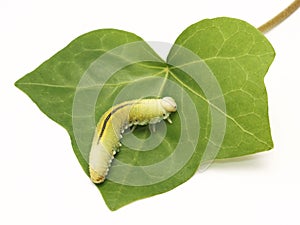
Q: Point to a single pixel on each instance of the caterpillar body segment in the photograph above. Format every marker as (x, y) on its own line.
(112, 124)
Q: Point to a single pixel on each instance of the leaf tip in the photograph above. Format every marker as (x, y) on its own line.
(18, 83)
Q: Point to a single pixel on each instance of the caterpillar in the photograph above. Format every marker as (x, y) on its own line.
(112, 124)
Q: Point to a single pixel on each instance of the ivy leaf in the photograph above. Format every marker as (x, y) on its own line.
(239, 57)
(215, 73)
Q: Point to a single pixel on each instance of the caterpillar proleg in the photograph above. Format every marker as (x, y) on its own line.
(112, 124)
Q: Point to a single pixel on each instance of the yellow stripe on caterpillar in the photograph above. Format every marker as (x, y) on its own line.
(113, 123)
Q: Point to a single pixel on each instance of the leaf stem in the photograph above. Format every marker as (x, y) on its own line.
(280, 17)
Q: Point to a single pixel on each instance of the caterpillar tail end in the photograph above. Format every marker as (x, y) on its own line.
(95, 177)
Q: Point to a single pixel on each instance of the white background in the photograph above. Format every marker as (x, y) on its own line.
(41, 180)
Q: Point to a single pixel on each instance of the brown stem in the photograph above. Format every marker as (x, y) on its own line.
(280, 17)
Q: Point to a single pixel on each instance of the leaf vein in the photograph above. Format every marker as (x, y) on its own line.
(217, 108)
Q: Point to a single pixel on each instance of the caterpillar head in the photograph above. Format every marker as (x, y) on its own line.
(169, 104)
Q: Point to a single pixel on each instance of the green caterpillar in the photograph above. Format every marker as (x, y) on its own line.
(112, 124)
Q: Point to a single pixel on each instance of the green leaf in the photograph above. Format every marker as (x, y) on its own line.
(215, 73)
(239, 56)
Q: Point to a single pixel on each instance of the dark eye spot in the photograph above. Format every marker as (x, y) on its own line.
(164, 114)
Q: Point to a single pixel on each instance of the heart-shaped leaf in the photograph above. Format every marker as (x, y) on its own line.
(214, 71)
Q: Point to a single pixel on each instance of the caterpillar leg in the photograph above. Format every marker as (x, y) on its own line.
(152, 128)
(131, 129)
(169, 120)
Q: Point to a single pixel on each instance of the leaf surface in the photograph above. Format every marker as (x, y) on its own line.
(239, 57)
(215, 73)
